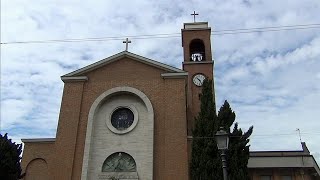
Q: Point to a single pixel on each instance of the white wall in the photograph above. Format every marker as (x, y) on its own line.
(138, 142)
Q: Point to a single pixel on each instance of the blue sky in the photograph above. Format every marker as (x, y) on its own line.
(271, 79)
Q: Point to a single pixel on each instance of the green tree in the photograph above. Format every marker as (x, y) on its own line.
(206, 159)
(238, 152)
(10, 152)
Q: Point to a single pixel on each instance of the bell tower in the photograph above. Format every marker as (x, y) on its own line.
(198, 62)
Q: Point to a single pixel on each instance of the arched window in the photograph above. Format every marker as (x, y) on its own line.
(119, 162)
(197, 50)
(37, 169)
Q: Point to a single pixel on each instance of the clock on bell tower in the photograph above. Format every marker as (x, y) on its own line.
(196, 43)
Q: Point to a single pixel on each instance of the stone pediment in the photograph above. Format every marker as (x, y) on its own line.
(118, 175)
(78, 74)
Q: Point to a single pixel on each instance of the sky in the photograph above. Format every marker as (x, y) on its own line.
(271, 78)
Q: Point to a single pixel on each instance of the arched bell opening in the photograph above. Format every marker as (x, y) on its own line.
(197, 50)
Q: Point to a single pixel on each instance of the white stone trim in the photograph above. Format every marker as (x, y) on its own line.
(196, 25)
(174, 75)
(74, 79)
(114, 108)
(38, 140)
(92, 111)
(120, 175)
(198, 62)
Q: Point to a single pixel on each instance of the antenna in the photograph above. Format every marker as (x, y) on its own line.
(299, 134)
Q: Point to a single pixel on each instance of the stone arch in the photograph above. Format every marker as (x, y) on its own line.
(107, 94)
(197, 50)
(37, 169)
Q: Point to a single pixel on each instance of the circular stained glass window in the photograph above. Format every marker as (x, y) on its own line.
(122, 118)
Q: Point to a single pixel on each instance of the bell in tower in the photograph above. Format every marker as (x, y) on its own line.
(196, 42)
(197, 50)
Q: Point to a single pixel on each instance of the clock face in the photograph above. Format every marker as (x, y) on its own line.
(122, 118)
(198, 79)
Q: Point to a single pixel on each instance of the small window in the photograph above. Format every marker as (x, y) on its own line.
(265, 177)
(286, 178)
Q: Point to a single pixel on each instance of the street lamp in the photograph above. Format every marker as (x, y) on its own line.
(222, 139)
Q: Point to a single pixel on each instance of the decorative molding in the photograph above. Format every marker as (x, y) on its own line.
(122, 105)
(196, 29)
(198, 62)
(74, 79)
(174, 75)
(38, 140)
(196, 26)
(119, 175)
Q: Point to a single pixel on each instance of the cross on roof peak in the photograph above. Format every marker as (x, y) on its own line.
(194, 16)
(127, 42)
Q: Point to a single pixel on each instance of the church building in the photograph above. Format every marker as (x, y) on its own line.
(129, 117)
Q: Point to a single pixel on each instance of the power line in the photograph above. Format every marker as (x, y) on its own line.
(271, 134)
(270, 27)
(263, 135)
(174, 35)
(266, 30)
(253, 136)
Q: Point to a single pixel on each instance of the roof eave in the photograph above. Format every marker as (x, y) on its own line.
(118, 56)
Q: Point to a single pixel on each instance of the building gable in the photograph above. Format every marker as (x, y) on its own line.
(124, 54)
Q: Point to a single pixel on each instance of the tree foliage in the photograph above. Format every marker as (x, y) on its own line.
(205, 162)
(238, 152)
(10, 152)
(206, 159)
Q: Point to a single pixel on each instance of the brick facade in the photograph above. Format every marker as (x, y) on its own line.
(167, 96)
(174, 100)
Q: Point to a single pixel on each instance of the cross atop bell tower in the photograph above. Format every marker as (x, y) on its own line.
(194, 16)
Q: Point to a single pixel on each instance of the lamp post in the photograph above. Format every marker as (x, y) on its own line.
(222, 139)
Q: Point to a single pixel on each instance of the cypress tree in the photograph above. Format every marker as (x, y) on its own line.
(205, 162)
(10, 152)
(238, 152)
(206, 158)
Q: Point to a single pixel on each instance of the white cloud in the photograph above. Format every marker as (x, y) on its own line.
(271, 79)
